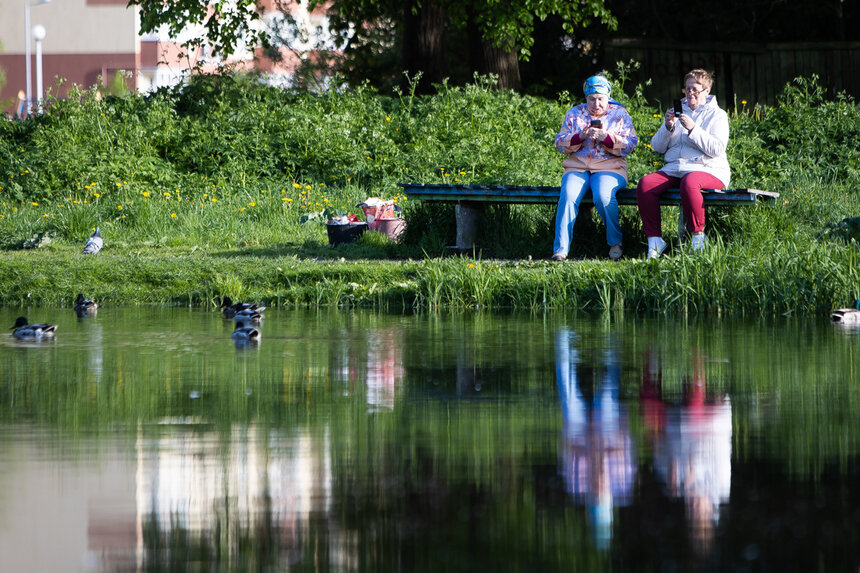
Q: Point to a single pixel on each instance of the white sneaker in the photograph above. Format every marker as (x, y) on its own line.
(616, 251)
(656, 246)
(698, 241)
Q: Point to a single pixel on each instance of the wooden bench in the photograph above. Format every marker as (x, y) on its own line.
(471, 199)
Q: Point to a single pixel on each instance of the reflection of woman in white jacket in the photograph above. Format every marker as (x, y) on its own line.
(694, 145)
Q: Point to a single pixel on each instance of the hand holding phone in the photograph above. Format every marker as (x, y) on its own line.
(596, 123)
(678, 109)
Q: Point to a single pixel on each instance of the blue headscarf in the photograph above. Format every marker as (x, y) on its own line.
(598, 85)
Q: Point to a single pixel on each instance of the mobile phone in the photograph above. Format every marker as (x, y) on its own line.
(596, 123)
(678, 110)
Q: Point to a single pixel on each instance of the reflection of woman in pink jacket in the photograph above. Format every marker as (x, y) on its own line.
(596, 137)
(598, 462)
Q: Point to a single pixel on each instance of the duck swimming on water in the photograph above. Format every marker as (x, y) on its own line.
(85, 306)
(25, 331)
(847, 315)
(232, 309)
(245, 333)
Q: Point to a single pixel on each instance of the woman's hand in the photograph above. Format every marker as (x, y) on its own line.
(595, 133)
(670, 119)
(687, 122)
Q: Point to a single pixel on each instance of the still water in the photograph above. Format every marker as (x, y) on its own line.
(144, 439)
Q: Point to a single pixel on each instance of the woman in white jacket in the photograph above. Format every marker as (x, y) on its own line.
(694, 147)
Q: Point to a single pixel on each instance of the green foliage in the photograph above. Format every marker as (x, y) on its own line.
(227, 164)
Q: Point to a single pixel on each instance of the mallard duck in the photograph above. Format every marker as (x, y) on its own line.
(94, 243)
(231, 309)
(245, 333)
(25, 331)
(249, 316)
(85, 306)
(847, 315)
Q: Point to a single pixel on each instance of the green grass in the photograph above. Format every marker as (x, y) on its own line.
(218, 187)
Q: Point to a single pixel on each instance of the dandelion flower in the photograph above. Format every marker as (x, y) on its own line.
(97, 195)
(35, 204)
(173, 215)
(252, 204)
(119, 207)
(145, 193)
(297, 186)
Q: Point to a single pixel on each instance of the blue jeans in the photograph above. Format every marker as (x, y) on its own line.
(574, 185)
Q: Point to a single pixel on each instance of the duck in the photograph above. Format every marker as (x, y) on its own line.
(245, 333)
(847, 315)
(94, 243)
(249, 316)
(231, 309)
(23, 330)
(84, 306)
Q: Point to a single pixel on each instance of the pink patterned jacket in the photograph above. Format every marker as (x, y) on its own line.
(607, 155)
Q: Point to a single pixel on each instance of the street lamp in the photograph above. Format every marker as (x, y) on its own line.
(27, 7)
(39, 33)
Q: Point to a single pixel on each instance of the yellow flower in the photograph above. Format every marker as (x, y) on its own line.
(262, 190)
(35, 204)
(214, 200)
(744, 102)
(308, 187)
(97, 195)
(119, 207)
(173, 215)
(387, 118)
(166, 194)
(252, 204)
(297, 186)
(283, 191)
(146, 193)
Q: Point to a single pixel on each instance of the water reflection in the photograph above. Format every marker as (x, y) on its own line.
(141, 440)
(598, 461)
(384, 367)
(692, 443)
(202, 490)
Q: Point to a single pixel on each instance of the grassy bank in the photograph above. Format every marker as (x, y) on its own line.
(723, 280)
(223, 188)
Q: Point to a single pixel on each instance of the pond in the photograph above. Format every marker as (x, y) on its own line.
(145, 439)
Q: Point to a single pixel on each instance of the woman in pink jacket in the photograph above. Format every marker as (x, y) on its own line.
(596, 136)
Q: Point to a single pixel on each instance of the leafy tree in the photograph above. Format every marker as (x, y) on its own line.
(389, 35)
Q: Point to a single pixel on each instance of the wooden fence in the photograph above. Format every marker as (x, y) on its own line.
(751, 73)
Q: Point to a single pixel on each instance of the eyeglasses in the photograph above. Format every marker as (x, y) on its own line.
(692, 90)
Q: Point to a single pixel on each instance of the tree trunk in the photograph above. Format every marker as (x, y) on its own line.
(484, 58)
(503, 63)
(424, 44)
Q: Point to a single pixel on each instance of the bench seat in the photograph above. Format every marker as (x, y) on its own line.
(471, 198)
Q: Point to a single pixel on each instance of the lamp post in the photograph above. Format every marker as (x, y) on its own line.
(27, 7)
(39, 33)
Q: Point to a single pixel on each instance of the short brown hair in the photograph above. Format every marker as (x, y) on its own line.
(702, 77)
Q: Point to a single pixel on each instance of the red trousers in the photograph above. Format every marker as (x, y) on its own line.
(650, 188)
